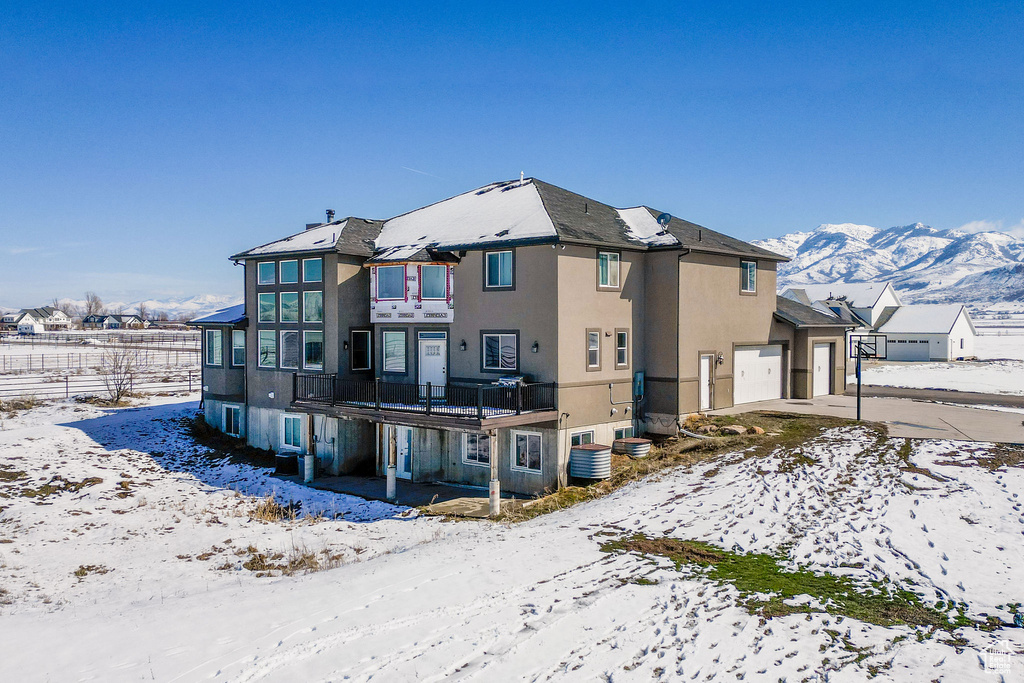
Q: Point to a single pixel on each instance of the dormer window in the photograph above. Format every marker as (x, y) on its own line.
(433, 282)
(390, 283)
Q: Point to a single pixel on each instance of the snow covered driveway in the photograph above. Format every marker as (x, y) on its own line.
(425, 599)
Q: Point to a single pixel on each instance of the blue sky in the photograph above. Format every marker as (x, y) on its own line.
(143, 143)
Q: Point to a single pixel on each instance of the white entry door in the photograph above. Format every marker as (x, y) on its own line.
(757, 373)
(707, 363)
(433, 357)
(404, 437)
(822, 370)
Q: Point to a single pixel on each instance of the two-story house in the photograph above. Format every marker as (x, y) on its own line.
(483, 336)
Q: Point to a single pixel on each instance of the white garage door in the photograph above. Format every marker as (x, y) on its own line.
(757, 373)
(822, 370)
(907, 349)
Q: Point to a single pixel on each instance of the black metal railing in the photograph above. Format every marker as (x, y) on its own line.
(450, 400)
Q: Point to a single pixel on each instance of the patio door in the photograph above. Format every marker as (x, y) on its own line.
(433, 362)
(404, 437)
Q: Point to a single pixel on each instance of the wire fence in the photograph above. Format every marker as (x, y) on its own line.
(45, 362)
(189, 340)
(66, 386)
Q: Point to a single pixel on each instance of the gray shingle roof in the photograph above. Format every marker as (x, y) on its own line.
(350, 235)
(798, 315)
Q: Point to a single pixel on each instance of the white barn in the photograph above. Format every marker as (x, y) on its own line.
(929, 332)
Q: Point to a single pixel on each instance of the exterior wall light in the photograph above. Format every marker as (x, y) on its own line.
(462, 345)
(344, 345)
(536, 347)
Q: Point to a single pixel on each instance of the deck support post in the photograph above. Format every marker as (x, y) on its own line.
(392, 492)
(494, 490)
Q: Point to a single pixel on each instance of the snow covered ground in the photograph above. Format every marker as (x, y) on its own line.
(998, 370)
(142, 575)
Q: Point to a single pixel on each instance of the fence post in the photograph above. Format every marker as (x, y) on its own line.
(480, 401)
(67, 386)
(190, 381)
(429, 392)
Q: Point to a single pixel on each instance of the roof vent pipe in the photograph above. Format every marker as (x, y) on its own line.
(330, 215)
(521, 177)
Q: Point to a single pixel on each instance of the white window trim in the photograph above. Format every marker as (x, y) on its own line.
(621, 429)
(585, 431)
(618, 348)
(597, 365)
(302, 428)
(280, 350)
(487, 269)
(618, 270)
(259, 353)
(743, 285)
(512, 451)
(260, 282)
(444, 296)
(322, 350)
(303, 269)
(465, 449)
(499, 335)
(224, 418)
(304, 318)
(233, 363)
(384, 351)
(220, 359)
(280, 267)
(352, 348)
(280, 308)
(405, 286)
(259, 308)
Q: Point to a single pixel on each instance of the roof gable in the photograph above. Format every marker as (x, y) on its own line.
(924, 319)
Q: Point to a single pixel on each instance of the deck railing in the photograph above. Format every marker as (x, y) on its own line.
(472, 401)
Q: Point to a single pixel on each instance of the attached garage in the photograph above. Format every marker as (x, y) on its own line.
(757, 373)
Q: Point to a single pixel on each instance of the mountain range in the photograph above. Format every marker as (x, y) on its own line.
(924, 264)
(190, 307)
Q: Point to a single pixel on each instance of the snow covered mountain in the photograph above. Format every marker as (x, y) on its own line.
(924, 264)
(192, 307)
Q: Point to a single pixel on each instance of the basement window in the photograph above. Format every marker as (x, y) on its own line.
(527, 450)
(476, 449)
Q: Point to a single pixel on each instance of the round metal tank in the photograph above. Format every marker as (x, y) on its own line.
(590, 461)
(633, 447)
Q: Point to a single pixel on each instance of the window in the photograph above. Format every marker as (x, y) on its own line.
(268, 308)
(289, 272)
(748, 276)
(621, 348)
(608, 269)
(498, 269)
(500, 352)
(476, 449)
(232, 420)
(289, 307)
(313, 350)
(361, 357)
(624, 433)
(593, 349)
(434, 282)
(268, 349)
(290, 349)
(238, 347)
(394, 351)
(312, 307)
(526, 451)
(265, 273)
(312, 270)
(580, 438)
(390, 282)
(214, 351)
(292, 432)
(961, 343)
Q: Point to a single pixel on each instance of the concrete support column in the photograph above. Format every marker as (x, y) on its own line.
(494, 490)
(392, 492)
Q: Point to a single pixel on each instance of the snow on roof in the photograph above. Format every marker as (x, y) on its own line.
(225, 316)
(320, 238)
(923, 319)
(498, 212)
(642, 226)
(857, 294)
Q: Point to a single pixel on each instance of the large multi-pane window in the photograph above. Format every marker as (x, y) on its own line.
(214, 350)
(394, 351)
(434, 282)
(312, 307)
(289, 272)
(361, 357)
(238, 347)
(391, 282)
(313, 270)
(266, 274)
(268, 349)
(268, 308)
(498, 269)
(476, 449)
(289, 307)
(748, 276)
(526, 451)
(290, 349)
(500, 352)
(313, 350)
(292, 432)
(608, 269)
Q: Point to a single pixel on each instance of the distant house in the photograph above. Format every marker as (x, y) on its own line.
(28, 324)
(47, 318)
(113, 322)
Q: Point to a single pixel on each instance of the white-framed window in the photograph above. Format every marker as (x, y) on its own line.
(500, 351)
(233, 420)
(498, 269)
(394, 351)
(238, 348)
(433, 282)
(266, 273)
(268, 349)
(748, 276)
(361, 354)
(624, 433)
(593, 349)
(289, 272)
(621, 348)
(608, 269)
(313, 270)
(290, 349)
(580, 438)
(268, 308)
(312, 307)
(289, 307)
(390, 283)
(527, 450)
(476, 449)
(313, 350)
(214, 347)
(291, 431)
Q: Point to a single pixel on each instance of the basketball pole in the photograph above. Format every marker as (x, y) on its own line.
(860, 354)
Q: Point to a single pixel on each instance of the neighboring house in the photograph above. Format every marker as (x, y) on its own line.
(28, 324)
(113, 322)
(490, 332)
(929, 332)
(869, 301)
(47, 317)
(9, 322)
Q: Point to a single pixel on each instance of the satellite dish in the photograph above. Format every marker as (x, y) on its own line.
(663, 219)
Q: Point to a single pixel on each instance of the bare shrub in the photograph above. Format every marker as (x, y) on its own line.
(269, 510)
(118, 370)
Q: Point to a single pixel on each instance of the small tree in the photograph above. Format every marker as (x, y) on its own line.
(93, 304)
(65, 306)
(118, 370)
(143, 312)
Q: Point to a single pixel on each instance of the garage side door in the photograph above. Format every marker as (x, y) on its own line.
(822, 370)
(757, 373)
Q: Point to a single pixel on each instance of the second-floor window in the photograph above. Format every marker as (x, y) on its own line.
(268, 308)
(498, 269)
(266, 273)
(434, 282)
(748, 276)
(290, 349)
(289, 307)
(312, 307)
(238, 347)
(313, 350)
(500, 352)
(214, 352)
(394, 351)
(268, 349)
(593, 349)
(361, 357)
(608, 269)
(390, 282)
(621, 349)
